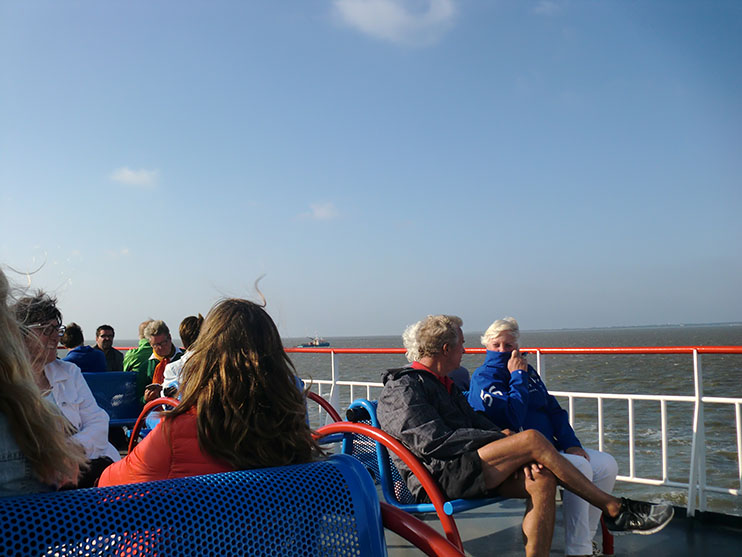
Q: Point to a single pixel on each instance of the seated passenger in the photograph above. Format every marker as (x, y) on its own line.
(471, 457)
(188, 330)
(36, 452)
(512, 395)
(104, 342)
(137, 359)
(63, 383)
(239, 407)
(84, 357)
(163, 352)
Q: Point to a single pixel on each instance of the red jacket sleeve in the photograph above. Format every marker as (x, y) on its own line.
(150, 460)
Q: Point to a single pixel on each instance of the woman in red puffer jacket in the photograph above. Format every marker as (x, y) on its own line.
(239, 408)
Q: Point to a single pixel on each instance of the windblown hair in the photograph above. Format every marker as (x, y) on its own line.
(507, 324)
(155, 328)
(39, 429)
(73, 336)
(189, 329)
(104, 328)
(427, 336)
(242, 386)
(39, 308)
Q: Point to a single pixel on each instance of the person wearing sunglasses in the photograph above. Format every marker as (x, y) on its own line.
(63, 383)
(36, 453)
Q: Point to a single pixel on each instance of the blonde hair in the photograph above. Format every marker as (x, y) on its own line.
(38, 427)
(505, 325)
(427, 336)
(242, 386)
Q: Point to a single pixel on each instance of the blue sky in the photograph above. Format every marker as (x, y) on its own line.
(571, 163)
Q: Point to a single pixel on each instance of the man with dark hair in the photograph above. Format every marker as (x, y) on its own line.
(81, 355)
(470, 457)
(104, 342)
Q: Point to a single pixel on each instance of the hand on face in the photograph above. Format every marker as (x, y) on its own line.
(517, 361)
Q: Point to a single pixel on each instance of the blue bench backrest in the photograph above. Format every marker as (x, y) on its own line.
(323, 508)
(116, 393)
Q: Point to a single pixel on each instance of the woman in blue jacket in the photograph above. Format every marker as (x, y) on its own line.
(512, 395)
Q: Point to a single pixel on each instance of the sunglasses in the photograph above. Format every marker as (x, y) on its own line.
(49, 330)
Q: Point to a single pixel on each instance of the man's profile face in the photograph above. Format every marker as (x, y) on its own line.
(161, 344)
(104, 339)
(455, 353)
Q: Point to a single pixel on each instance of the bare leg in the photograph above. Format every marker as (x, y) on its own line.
(538, 522)
(503, 457)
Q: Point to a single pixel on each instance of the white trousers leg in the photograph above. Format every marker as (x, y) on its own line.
(580, 518)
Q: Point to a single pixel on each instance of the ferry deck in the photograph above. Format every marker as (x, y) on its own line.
(495, 530)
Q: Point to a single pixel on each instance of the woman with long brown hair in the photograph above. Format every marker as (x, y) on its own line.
(240, 407)
(36, 452)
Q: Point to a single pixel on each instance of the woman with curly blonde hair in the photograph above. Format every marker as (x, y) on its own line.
(240, 406)
(36, 452)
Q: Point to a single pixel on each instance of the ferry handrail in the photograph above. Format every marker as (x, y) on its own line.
(541, 349)
(696, 486)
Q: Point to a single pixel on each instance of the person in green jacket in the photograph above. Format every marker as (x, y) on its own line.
(137, 359)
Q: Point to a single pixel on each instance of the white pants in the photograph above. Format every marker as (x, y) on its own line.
(580, 518)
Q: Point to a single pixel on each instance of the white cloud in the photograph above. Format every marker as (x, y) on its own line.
(322, 211)
(546, 7)
(412, 22)
(117, 253)
(142, 177)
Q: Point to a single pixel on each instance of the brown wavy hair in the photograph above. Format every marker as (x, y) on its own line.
(242, 386)
(38, 427)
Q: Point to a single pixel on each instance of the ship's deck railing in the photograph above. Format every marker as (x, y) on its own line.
(343, 391)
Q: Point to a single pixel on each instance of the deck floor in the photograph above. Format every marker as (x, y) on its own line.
(495, 530)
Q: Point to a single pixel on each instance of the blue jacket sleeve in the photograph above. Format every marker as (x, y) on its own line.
(564, 435)
(503, 397)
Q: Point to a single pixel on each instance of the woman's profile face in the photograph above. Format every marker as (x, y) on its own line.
(504, 342)
(42, 341)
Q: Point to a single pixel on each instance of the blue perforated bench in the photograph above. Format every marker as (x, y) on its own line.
(322, 508)
(116, 393)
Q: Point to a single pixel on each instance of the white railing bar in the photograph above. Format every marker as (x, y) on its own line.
(669, 398)
(691, 508)
(571, 411)
(630, 479)
(600, 424)
(631, 437)
(663, 419)
(696, 485)
(540, 369)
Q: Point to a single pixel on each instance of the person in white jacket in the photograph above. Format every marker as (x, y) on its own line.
(63, 383)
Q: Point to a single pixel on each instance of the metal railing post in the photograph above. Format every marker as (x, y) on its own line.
(540, 366)
(334, 395)
(663, 420)
(600, 424)
(631, 438)
(697, 475)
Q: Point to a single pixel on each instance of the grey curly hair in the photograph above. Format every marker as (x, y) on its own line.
(427, 336)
